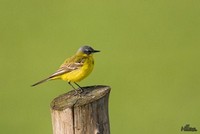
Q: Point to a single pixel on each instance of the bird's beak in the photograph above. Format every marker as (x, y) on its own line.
(95, 51)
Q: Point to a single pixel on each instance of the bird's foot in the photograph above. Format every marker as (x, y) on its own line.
(78, 91)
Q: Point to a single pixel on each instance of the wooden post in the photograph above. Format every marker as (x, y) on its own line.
(85, 113)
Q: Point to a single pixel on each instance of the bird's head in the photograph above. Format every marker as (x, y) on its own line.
(87, 50)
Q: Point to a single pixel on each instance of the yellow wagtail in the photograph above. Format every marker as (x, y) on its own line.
(75, 68)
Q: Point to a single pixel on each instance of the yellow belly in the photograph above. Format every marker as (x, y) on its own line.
(79, 74)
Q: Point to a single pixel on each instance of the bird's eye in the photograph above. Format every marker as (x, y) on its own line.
(87, 50)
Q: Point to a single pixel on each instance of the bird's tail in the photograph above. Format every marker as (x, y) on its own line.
(39, 82)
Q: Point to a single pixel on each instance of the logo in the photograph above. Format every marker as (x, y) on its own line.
(188, 128)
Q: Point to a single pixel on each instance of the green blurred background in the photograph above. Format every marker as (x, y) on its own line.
(150, 54)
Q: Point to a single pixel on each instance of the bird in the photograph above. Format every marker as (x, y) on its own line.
(75, 68)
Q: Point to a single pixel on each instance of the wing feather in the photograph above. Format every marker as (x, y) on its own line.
(69, 65)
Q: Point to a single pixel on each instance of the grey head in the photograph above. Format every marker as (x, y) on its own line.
(87, 50)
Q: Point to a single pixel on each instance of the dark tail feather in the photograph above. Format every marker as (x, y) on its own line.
(40, 82)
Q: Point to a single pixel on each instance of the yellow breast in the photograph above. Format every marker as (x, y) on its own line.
(79, 74)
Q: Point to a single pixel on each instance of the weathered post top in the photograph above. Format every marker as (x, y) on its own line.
(90, 94)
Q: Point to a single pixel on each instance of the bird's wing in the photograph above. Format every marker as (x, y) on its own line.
(69, 65)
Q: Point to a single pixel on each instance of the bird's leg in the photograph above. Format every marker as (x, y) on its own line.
(73, 88)
(71, 85)
(80, 88)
